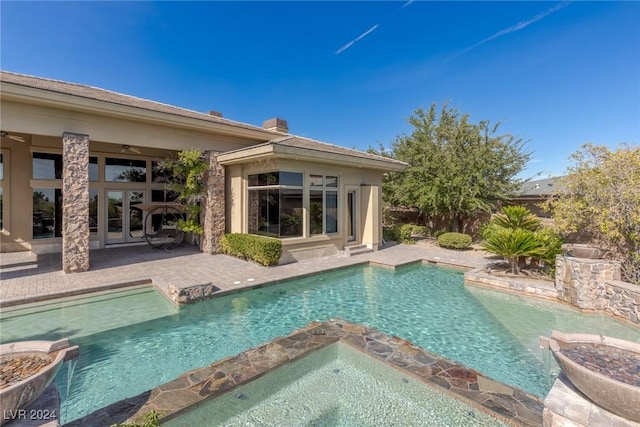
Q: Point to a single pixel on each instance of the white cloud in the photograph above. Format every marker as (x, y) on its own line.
(519, 26)
(357, 39)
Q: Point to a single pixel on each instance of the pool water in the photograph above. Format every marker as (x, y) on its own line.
(139, 340)
(335, 386)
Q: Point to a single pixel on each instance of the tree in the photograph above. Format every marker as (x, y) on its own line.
(600, 196)
(514, 244)
(516, 217)
(456, 168)
(517, 234)
(186, 176)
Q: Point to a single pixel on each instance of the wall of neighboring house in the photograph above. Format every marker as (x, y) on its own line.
(367, 184)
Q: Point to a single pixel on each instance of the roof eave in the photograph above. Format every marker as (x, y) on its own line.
(299, 153)
(30, 95)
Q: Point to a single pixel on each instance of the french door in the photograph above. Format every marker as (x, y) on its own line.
(125, 222)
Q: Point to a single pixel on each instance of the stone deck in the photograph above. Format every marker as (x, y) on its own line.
(506, 403)
(184, 274)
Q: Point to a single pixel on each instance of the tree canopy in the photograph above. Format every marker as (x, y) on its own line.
(600, 196)
(456, 168)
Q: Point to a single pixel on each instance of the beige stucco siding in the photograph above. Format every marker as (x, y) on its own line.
(366, 182)
(44, 120)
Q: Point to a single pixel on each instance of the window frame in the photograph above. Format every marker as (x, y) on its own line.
(278, 187)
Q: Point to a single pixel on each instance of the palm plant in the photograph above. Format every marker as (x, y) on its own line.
(513, 244)
(516, 217)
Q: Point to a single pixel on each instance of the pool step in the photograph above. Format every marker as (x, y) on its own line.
(355, 250)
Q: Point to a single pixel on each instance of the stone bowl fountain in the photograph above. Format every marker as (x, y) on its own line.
(605, 369)
(27, 368)
(578, 250)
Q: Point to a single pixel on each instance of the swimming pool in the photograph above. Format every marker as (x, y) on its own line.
(138, 340)
(303, 393)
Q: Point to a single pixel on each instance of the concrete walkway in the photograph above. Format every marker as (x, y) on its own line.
(26, 277)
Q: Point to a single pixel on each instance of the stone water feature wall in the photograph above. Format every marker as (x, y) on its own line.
(594, 284)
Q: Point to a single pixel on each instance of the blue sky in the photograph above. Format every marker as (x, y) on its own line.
(558, 74)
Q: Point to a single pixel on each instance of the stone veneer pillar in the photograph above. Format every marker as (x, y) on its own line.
(75, 202)
(581, 281)
(214, 206)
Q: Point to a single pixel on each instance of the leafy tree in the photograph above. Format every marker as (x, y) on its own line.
(600, 196)
(186, 176)
(456, 168)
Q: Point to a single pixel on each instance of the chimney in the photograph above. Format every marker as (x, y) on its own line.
(276, 124)
(215, 113)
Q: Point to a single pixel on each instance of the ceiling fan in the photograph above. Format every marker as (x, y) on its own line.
(127, 148)
(4, 134)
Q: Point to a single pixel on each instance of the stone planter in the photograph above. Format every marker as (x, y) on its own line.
(583, 251)
(615, 396)
(22, 393)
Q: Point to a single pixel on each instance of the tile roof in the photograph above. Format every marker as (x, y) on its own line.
(540, 187)
(97, 94)
(93, 93)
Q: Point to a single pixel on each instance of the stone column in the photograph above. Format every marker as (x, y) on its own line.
(214, 206)
(581, 281)
(75, 203)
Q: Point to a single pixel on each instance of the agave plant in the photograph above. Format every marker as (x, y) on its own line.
(516, 217)
(512, 244)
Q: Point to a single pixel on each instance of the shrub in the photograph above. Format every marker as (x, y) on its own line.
(486, 230)
(454, 240)
(262, 250)
(513, 244)
(421, 230)
(390, 233)
(516, 217)
(406, 230)
(552, 242)
(439, 233)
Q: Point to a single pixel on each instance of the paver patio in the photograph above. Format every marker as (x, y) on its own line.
(28, 277)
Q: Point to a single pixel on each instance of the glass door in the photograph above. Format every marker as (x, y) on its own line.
(125, 222)
(352, 224)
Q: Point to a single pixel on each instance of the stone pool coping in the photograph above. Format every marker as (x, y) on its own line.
(509, 404)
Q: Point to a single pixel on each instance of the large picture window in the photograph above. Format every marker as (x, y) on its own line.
(275, 204)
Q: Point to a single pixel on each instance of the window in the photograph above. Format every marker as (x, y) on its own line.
(93, 169)
(47, 166)
(323, 204)
(125, 170)
(47, 213)
(275, 204)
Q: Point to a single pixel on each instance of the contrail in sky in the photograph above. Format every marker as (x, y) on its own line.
(357, 39)
(407, 3)
(518, 26)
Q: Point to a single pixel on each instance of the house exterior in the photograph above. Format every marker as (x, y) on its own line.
(76, 160)
(533, 193)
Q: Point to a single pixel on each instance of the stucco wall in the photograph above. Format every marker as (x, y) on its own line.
(366, 182)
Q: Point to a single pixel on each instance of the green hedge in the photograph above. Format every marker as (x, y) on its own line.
(454, 240)
(390, 233)
(262, 250)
